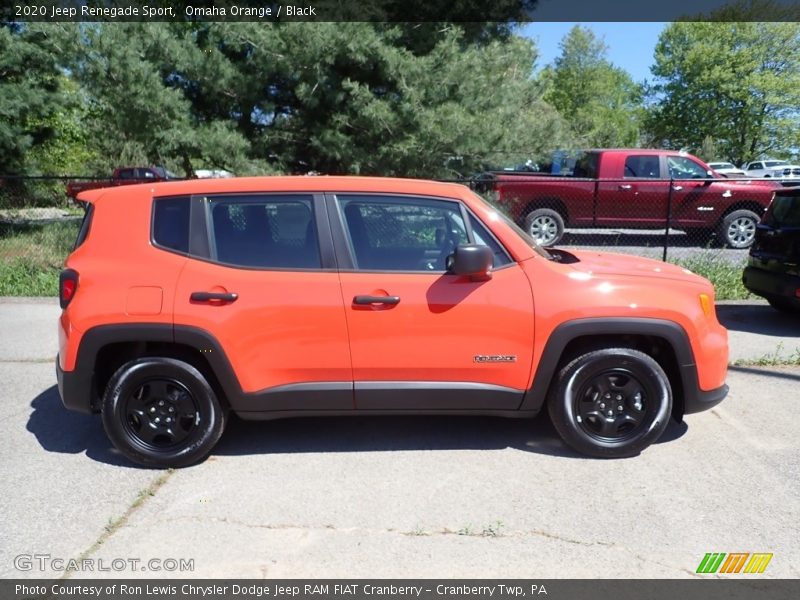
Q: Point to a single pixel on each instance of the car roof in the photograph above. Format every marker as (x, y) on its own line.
(299, 183)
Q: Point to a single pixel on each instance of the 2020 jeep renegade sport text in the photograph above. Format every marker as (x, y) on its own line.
(283, 297)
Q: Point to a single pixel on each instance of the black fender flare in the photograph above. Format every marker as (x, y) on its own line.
(565, 333)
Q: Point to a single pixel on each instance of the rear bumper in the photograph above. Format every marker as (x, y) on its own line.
(772, 284)
(76, 390)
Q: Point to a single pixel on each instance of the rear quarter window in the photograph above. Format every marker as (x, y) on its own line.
(171, 223)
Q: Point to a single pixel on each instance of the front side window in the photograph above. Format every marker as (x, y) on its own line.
(388, 234)
(642, 166)
(681, 167)
(265, 231)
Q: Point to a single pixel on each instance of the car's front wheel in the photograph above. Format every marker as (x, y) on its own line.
(611, 403)
(161, 412)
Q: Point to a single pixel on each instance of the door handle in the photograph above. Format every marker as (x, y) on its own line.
(392, 300)
(624, 188)
(210, 296)
(677, 188)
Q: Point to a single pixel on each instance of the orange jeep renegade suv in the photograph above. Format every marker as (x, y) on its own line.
(284, 297)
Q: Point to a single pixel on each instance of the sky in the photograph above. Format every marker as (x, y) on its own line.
(630, 45)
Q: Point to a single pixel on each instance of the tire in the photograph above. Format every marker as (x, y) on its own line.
(738, 229)
(578, 402)
(161, 412)
(545, 225)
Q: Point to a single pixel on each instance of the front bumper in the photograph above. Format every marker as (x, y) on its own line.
(77, 390)
(697, 400)
(772, 284)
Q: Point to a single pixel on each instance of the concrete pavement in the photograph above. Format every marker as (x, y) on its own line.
(407, 496)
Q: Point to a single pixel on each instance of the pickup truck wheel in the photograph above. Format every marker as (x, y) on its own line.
(738, 229)
(162, 412)
(545, 225)
(611, 403)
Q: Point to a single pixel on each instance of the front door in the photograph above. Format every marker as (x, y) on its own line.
(421, 338)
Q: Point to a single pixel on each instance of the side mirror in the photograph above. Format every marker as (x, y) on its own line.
(471, 260)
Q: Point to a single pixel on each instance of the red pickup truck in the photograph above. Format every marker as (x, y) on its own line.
(633, 189)
(122, 176)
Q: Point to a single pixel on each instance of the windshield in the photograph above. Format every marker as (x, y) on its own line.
(721, 166)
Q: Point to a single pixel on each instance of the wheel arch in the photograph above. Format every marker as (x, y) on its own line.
(105, 348)
(747, 204)
(551, 202)
(665, 341)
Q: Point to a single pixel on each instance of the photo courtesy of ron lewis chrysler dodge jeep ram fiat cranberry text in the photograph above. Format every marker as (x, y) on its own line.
(284, 297)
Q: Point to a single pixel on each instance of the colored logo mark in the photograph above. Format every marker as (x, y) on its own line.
(734, 562)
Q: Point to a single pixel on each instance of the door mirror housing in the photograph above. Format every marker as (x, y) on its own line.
(471, 260)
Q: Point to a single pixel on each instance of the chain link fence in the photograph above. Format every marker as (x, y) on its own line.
(668, 219)
(706, 225)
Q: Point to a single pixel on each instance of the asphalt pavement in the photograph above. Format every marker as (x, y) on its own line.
(404, 496)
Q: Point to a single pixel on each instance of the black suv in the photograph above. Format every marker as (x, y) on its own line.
(773, 268)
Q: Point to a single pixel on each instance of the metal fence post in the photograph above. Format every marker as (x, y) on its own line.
(668, 220)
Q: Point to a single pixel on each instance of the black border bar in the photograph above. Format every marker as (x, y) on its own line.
(397, 11)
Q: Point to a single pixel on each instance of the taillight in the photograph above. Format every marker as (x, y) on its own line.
(67, 286)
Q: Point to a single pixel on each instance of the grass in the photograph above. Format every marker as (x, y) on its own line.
(31, 257)
(725, 275)
(776, 358)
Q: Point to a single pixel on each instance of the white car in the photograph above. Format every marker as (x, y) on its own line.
(727, 169)
(765, 168)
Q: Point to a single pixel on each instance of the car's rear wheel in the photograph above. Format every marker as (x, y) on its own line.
(545, 225)
(738, 229)
(611, 403)
(162, 412)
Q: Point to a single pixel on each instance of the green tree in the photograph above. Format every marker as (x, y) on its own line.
(736, 82)
(601, 102)
(29, 93)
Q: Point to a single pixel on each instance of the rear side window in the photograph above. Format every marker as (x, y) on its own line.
(642, 166)
(265, 231)
(171, 223)
(85, 225)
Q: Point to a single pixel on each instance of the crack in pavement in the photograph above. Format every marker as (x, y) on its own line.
(115, 524)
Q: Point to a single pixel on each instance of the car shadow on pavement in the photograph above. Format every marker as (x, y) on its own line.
(400, 433)
(758, 318)
(63, 431)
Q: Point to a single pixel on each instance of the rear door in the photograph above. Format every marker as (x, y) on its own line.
(421, 338)
(269, 293)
